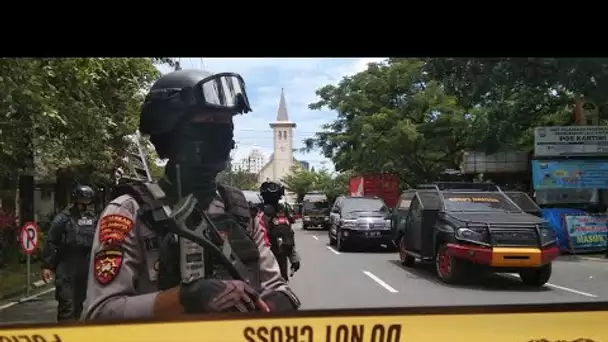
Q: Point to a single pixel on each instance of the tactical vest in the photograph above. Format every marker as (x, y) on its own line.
(281, 235)
(80, 231)
(233, 226)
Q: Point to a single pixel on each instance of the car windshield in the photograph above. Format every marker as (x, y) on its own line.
(364, 204)
(315, 206)
(478, 202)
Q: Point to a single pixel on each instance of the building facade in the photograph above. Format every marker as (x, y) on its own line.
(253, 163)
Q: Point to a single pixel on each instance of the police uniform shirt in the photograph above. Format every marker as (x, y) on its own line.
(122, 282)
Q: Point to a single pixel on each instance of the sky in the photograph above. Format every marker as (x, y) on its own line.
(264, 78)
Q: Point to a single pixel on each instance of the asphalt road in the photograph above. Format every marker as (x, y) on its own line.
(330, 280)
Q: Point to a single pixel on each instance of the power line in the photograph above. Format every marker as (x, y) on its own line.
(271, 131)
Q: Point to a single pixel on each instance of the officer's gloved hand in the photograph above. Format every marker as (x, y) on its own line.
(295, 266)
(212, 295)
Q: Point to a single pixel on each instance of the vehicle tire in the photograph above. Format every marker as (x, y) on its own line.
(406, 259)
(304, 226)
(536, 276)
(341, 244)
(450, 270)
(332, 241)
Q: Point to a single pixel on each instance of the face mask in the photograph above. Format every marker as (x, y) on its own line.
(271, 198)
(204, 150)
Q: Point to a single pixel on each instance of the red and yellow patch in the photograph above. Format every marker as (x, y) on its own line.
(113, 229)
(107, 265)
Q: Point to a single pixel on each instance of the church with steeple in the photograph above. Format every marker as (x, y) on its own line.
(281, 161)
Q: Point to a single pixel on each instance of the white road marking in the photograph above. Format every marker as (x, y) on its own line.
(593, 259)
(559, 287)
(380, 282)
(8, 305)
(332, 250)
(315, 237)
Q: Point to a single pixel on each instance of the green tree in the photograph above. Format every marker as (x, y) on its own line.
(243, 180)
(392, 118)
(238, 178)
(300, 181)
(514, 95)
(72, 114)
(332, 185)
(78, 110)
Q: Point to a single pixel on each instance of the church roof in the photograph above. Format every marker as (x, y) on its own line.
(282, 116)
(282, 111)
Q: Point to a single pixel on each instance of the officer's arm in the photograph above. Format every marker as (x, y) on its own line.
(289, 215)
(54, 241)
(275, 290)
(116, 269)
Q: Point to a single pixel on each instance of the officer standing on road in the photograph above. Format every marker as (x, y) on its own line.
(67, 250)
(281, 236)
(137, 268)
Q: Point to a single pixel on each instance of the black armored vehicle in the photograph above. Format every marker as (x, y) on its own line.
(476, 227)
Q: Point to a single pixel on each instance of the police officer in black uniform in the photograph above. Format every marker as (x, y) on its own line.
(277, 218)
(143, 269)
(67, 251)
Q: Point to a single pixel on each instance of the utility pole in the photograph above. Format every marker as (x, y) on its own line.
(249, 165)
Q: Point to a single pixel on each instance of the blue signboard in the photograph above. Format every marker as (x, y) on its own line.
(570, 174)
(587, 233)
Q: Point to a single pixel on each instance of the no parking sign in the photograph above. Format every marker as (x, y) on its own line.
(29, 236)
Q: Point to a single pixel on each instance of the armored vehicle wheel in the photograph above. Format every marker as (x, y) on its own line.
(450, 270)
(536, 276)
(332, 241)
(406, 259)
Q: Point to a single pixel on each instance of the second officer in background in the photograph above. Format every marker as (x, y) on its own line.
(67, 251)
(277, 219)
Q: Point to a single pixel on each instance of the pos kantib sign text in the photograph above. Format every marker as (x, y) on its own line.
(567, 141)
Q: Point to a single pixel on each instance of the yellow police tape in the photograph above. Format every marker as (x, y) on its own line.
(514, 327)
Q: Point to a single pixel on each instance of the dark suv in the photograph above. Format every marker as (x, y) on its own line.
(359, 220)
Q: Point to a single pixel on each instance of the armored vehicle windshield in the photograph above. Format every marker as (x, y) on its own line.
(478, 202)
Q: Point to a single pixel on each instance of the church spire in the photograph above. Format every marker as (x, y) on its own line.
(282, 112)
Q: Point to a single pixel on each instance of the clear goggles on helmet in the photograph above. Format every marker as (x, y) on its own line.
(223, 91)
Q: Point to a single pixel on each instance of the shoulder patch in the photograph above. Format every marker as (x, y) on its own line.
(113, 229)
(107, 265)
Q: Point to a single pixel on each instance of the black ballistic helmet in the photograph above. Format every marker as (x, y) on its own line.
(82, 194)
(269, 187)
(176, 96)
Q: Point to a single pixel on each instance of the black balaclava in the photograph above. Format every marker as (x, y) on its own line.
(202, 152)
(271, 197)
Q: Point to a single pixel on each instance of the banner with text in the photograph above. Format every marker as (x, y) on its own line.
(570, 174)
(587, 233)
